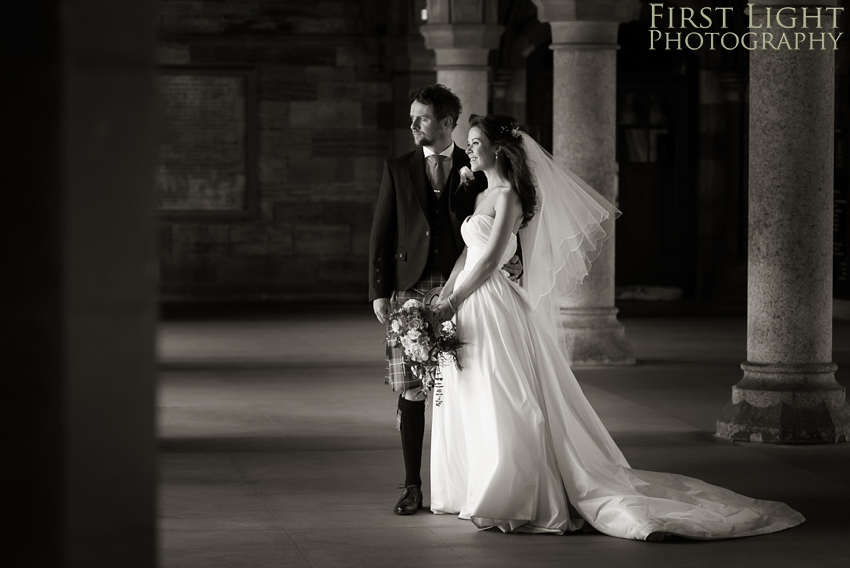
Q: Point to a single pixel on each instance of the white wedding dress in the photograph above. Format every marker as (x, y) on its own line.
(514, 439)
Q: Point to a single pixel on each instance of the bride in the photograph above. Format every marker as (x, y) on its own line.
(515, 443)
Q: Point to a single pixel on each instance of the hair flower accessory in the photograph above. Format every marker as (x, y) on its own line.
(466, 175)
(513, 130)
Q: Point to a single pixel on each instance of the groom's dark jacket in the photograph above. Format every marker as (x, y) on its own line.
(414, 231)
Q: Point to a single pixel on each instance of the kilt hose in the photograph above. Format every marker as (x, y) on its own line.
(399, 376)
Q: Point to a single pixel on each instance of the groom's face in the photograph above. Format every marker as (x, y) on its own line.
(426, 129)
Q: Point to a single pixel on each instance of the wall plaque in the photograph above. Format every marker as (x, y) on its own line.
(207, 160)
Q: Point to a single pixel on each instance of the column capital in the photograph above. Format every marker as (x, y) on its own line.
(460, 46)
(463, 11)
(587, 10)
(591, 24)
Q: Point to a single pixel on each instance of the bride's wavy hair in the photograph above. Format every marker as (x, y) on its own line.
(503, 132)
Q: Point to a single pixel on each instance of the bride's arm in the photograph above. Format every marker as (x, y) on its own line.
(449, 286)
(508, 210)
(442, 307)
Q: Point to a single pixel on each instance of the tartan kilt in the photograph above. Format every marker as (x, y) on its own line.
(399, 376)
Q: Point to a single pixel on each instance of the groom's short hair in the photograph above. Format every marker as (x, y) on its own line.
(442, 100)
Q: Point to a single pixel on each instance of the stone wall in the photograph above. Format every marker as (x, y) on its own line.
(327, 120)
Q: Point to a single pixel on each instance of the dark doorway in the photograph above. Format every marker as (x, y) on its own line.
(657, 109)
(539, 87)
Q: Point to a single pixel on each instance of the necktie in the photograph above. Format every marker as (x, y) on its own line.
(437, 171)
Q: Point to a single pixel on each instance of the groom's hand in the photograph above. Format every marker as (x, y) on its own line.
(514, 268)
(382, 309)
(444, 310)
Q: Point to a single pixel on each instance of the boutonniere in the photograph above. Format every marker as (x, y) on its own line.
(466, 175)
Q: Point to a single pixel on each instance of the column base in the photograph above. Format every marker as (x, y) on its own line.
(594, 336)
(786, 404)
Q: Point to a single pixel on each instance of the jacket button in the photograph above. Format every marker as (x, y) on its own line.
(378, 280)
(427, 233)
(380, 259)
(436, 251)
(377, 270)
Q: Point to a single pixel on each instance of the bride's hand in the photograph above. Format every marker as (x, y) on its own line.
(443, 309)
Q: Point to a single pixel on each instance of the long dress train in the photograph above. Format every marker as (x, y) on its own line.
(514, 439)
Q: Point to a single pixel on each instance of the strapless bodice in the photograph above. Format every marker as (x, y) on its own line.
(476, 234)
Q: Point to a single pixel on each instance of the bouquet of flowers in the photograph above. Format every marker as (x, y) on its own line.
(428, 342)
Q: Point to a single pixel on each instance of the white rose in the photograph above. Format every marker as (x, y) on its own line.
(396, 326)
(411, 303)
(413, 335)
(415, 323)
(448, 327)
(466, 175)
(421, 353)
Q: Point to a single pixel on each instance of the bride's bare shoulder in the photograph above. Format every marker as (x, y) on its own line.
(507, 195)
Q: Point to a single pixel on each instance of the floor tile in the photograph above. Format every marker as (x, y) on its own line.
(399, 538)
(226, 549)
(222, 519)
(386, 557)
(197, 467)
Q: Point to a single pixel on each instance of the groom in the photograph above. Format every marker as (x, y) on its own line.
(414, 245)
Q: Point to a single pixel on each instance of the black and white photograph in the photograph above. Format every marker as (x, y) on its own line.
(427, 283)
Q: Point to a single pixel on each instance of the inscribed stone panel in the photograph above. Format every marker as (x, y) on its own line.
(202, 149)
(207, 145)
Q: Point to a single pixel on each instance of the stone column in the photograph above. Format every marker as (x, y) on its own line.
(79, 371)
(584, 38)
(462, 33)
(788, 393)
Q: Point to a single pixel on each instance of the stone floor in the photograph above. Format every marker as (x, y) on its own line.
(278, 449)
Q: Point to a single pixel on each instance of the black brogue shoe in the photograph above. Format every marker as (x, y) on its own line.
(410, 502)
